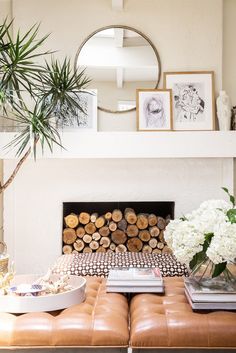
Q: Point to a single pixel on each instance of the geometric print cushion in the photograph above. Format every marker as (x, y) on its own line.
(99, 264)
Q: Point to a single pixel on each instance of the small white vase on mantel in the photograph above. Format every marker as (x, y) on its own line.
(224, 112)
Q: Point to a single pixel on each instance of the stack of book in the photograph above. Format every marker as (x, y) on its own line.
(203, 298)
(135, 280)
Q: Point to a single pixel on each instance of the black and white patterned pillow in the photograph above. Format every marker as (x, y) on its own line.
(99, 264)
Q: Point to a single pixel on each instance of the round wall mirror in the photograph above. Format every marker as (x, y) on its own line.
(119, 59)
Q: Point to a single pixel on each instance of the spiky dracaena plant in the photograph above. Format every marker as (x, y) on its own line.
(48, 86)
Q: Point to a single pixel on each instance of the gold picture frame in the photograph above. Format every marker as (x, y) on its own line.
(154, 109)
(193, 102)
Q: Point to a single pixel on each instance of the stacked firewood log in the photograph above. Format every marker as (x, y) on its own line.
(114, 231)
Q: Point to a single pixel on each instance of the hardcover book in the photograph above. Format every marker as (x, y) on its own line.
(210, 305)
(199, 294)
(135, 289)
(135, 273)
(132, 280)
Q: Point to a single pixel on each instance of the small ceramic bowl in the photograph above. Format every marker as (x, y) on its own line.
(27, 290)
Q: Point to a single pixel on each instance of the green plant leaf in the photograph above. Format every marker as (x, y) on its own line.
(199, 257)
(208, 238)
(231, 214)
(218, 269)
(61, 87)
(231, 197)
(183, 218)
(18, 70)
(49, 86)
(36, 125)
(194, 261)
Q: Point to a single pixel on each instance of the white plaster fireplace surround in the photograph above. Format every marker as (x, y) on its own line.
(33, 203)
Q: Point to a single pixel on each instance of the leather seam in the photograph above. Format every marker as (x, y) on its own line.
(93, 313)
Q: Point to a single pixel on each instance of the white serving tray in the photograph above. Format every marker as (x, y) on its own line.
(18, 304)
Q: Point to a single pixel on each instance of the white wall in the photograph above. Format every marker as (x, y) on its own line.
(229, 49)
(33, 203)
(6, 9)
(187, 33)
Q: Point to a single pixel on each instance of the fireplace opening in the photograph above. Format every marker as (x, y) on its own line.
(133, 226)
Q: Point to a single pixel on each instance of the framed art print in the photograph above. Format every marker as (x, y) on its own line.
(192, 99)
(154, 111)
(85, 120)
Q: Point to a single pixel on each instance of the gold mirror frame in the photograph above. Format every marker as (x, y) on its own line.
(127, 28)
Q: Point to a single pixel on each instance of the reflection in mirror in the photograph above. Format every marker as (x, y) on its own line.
(119, 60)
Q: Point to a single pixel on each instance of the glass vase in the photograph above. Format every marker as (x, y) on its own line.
(202, 275)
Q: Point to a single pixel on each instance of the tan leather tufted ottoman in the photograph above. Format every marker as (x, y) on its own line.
(102, 320)
(167, 321)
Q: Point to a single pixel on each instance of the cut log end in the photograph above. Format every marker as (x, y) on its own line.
(96, 236)
(100, 222)
(166, 250)
(87, 249)
(79, 245)
(130, 216)
(152, 220)
(108, 216)
(134, 244)
(84, 217)
(161, 223)
(90, 228)
(154, 231)
(121, 248)
(67, 249)
(94, 245)
(87, 238)
(132, 230)
(80, 231)
(71, 220)
(118, 237)
(105, 242)
(142, 222)
(112, 226)
(147, 249)
(116, 215)
(101, 249)
(153, 243)
(93, 217)
(69, 236)
(104, 231)
(144, 235)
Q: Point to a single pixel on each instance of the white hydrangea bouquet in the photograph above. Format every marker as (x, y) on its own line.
(206, 233)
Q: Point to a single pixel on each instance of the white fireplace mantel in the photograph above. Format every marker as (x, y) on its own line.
(175, 144)
(184, 167)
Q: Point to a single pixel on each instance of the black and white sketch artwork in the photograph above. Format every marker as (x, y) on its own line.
(193, 101)
(154, 109)
(189, 102)
(154, 112)
(86, 119)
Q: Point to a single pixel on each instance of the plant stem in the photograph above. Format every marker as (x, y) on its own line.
(15, 171)
(18, 166)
